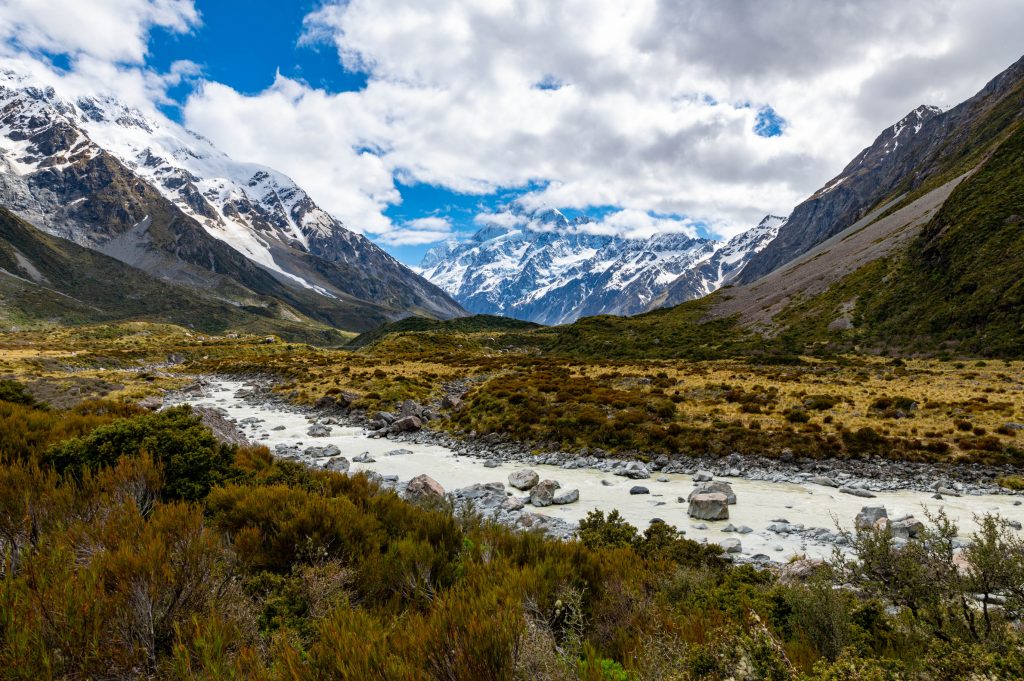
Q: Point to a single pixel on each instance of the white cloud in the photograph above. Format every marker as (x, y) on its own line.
(418, 232)
(111, 30)
(653, 113)
(649, 116)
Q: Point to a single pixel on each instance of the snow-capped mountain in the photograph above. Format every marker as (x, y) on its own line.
(138, 186)
(553, 270)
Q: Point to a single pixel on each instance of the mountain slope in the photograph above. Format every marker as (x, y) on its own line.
(52, 280)
(925, 149)
(553, 270)
(160, 198)
(935, 269)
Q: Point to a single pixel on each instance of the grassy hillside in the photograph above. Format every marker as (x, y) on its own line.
(480, 323)
(47, 280)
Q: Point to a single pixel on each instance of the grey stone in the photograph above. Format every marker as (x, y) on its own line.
(322, 452)
(492, 463)
(906, 528)
(363, 458)
(634, 470)
(338, 464)
(715, 486)
(709, 506)
(822, 480)
(524, 478)
(702, 476)
(318, 430)
(639, 489)
(398, 452)
(406, 424)
(868, 516)
(567, 497)
(731, 545)
(424, 489)
(543, 493)
(856, 491)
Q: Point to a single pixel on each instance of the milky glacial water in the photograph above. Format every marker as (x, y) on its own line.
(758, 504)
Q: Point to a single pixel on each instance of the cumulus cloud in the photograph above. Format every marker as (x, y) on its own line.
(418, 232)
(110, 30)
(650, 107)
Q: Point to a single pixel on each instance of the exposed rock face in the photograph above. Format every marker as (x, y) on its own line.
(868, 516)
(424, 489)
(709, 506)
(714, 486)
(523, 479)
(904, 156)
(543, 494)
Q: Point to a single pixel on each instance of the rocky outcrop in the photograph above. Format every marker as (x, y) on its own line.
(714, 486)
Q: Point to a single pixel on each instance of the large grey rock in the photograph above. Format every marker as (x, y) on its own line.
(524, 478)
(709, 506)
(363, 458)
(543, 493)
(338, 464)
(731, 545)
(822, 480)
(322, 452)
(857, 492)
(702, 476)
(715, 486)
(424, 489)
(406, 424)
(566, 497)
(318, 430)
(906, 528)
(634, 470)
(486, 496)
(639, 489)
(869, 516)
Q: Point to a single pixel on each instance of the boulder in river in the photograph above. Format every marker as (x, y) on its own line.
(869, 516)
(543, 493)
(424, 489)
(822, 480)
(857, 492)
(318, 430)
(566, 497)
(484, 496)
(398, 452)
(731, 545)
(715, 486)
(702, 476)
(634, 470)
(363, 458)
(906, 528)
(639, 489)
(709, 506)
(338, 464)
(523, 479)
(321, 452)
